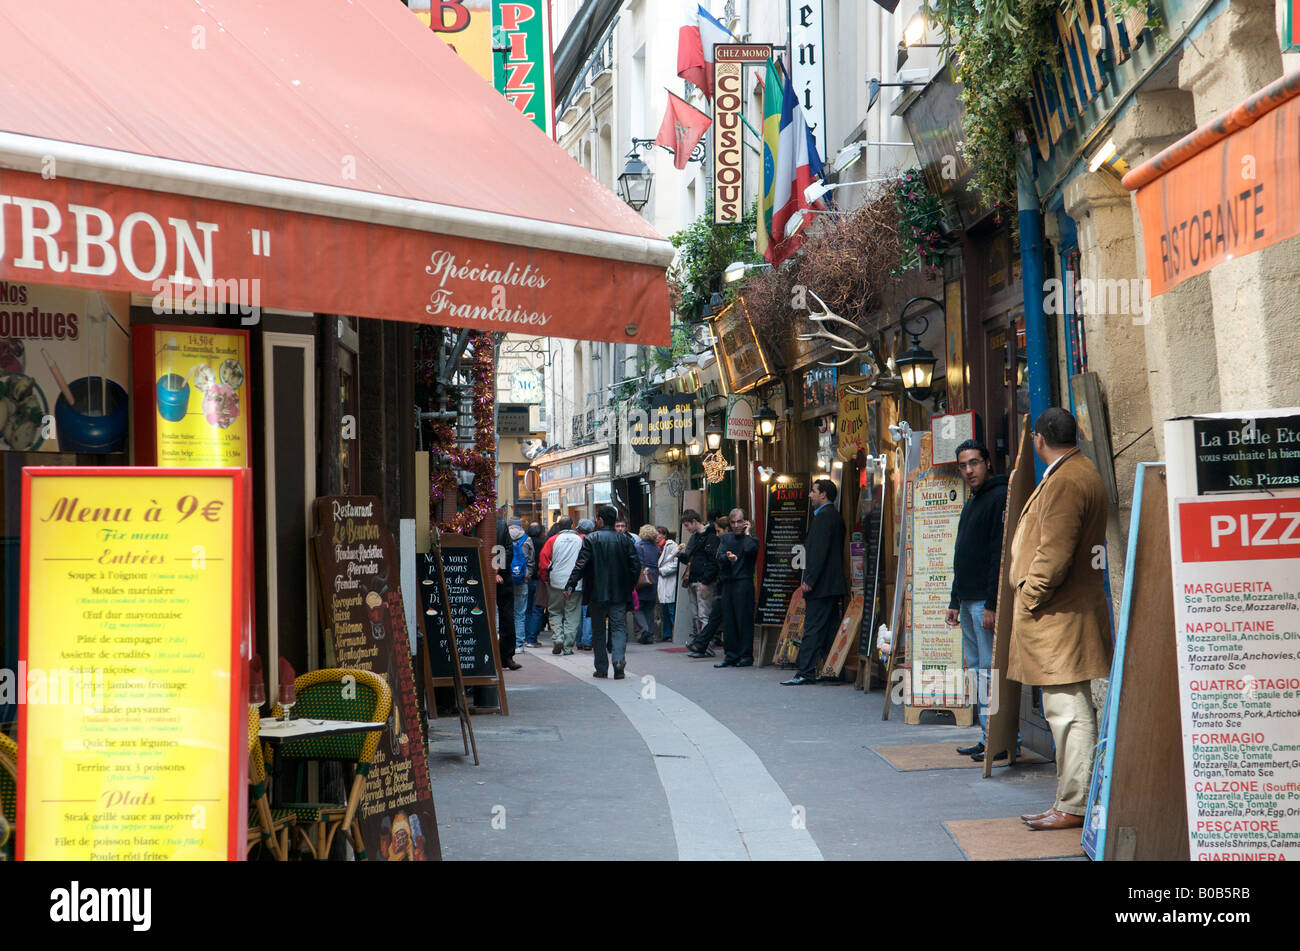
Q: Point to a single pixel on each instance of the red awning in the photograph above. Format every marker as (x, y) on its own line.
(335, 151)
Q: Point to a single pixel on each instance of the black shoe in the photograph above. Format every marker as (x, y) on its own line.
(971, 750)
(979, 757)
(557, 649)
(797, 682)
(743, 663)
(725, 663)
(645, 639)
(620, 671)
(601, 674)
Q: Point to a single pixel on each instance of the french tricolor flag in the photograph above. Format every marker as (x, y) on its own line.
(695, 49)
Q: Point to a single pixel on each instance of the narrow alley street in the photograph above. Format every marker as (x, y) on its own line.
(682, 761)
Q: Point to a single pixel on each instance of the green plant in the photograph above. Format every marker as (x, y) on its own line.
(704, 252)
(922, 242)
(665, 357)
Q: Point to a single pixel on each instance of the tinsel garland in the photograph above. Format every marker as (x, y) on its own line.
(481, 460)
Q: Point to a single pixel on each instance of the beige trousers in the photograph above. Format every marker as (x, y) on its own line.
(1070, 714)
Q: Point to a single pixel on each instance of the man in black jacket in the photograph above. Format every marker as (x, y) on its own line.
(505, 597)
(823, 581)
(737, 559)
(977, 567)
(608, 567)
(701, 574)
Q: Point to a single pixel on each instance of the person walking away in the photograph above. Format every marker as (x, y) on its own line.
(523, 572)
(823, 581)
(977, 567)
(505, 597)
(608, 567)
(737, 559)
(559, 555)
(1060, 626)
(668, 572)
(536, 610)
(647, 586)
(585, 527)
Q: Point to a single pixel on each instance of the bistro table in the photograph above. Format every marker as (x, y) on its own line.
(276, 731)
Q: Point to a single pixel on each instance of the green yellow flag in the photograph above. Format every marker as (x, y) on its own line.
(773, 87)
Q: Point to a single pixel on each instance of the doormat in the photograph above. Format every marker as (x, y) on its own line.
(915, 756)
(1010, 840)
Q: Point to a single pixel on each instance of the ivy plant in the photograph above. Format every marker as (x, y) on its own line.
(922, 242)
(705, 250)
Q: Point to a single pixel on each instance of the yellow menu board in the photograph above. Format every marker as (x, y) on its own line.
(191, 406)
(132, 730)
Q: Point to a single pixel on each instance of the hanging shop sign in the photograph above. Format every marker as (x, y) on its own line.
(740, 355)
(64, 355)
(787, 526)
(854, 419)
(514, 420)
(191, 402)
(819, 391)
(740, 418)
(134, 628)
(935, 500)
(729, 129)
(935, 123)
(1236, 610)
(358, 577)
(807, 65)
(947, 433)
(669, 421)
(526, 387)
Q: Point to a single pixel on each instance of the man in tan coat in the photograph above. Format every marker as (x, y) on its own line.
(1060, 629)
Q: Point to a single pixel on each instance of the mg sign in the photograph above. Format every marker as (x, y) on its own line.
(728, 133)
(526, 387)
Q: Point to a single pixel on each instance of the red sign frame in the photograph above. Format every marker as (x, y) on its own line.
(240, 639)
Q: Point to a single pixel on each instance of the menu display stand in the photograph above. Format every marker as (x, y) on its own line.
(458, 679)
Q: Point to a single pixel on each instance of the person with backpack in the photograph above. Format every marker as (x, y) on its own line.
(647, 585)
(523, 569)
(501, 561)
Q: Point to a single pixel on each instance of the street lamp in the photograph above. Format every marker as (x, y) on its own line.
(694, 448)
(765, 422)
(736, 272)
(916, 366)
(714, 437)
(636, 181)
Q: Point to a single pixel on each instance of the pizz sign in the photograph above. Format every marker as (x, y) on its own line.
(728, 128)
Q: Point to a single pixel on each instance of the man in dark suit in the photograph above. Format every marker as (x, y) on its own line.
(823, 581)
(737, 559)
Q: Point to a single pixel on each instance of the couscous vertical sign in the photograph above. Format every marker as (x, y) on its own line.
(133, 625)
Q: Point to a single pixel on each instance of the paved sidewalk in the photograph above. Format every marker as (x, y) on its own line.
(684, 761)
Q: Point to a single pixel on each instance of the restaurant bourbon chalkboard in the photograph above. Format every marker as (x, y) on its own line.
(361, 597)
(462, 562)
(787, 524)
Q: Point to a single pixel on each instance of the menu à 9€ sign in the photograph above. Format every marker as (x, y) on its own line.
(133, 622)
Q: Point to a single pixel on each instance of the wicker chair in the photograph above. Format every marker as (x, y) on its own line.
(336, 694)
(8, 792)
(267, 826)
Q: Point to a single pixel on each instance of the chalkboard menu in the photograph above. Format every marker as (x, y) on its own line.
(787, 524)
(873, 530)
(462, 563)
(358, 575)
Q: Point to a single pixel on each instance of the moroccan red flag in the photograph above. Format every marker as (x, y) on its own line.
(682, 129)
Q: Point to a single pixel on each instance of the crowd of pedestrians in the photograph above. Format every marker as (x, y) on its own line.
(596, 584)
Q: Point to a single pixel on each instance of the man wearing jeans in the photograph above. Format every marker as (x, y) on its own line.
(608, 566)
(977, 564)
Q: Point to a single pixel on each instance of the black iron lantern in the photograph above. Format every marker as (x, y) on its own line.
(916, 366)
(635, 183)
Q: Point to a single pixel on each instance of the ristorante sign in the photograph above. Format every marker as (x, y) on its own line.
(204, 256)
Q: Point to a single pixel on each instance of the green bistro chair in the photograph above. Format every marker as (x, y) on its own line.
(8, 794)
(268, 826)
(337, 694)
